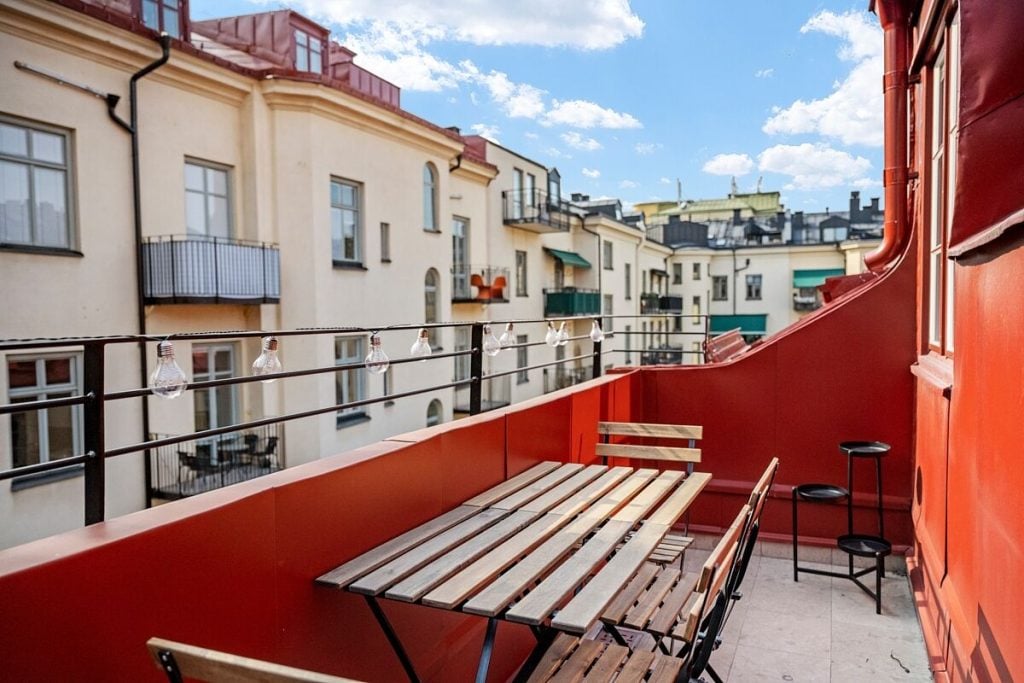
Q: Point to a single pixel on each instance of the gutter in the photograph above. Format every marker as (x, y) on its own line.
(896, 233)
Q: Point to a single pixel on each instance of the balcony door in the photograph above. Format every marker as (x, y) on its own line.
(559, 275)
(215, 406)
(517, 193)
(460, 257)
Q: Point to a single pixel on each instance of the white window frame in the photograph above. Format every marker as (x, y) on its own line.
(42, 391)
(340, 209)
(163, 8)
(308, 52)
(522, 359)
(754, 287)
(717, 295)
(521, 270)
(341, 390)
(385, 242)
(209, 195)
(431, 222)
(607, 255)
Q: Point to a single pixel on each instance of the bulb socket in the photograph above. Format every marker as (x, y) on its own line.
(165, 349)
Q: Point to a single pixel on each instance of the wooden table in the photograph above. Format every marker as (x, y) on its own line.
(554, 523)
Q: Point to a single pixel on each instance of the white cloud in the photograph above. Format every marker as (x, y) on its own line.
(577, 141)
(530, 135)
(729, 164)
(813, 166)
(853, 112)
(628, 185)
(487, 131)
(665, 181)
(556, 153)
(764, 73)
(584, 114)
(867, 183)
(518, 100)
(646, 148)
(591, 173)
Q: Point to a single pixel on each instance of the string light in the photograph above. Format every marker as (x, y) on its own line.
(508, 337)
(551, 338)
(596, 333)
(492, 347)
(421, 347)
(168, 379)
(268, 363)
(377, 361)
(563, 335)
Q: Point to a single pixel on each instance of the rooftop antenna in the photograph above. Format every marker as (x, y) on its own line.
(759, 179)
(679, 192)
(735, 189)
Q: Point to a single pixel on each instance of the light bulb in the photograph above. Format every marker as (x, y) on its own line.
(377, 362)
(421, 347)
(268, 363)
(508, 337)
(563, 335)
(492, 347)
(596, 333)
(168, 380)
(551, 338)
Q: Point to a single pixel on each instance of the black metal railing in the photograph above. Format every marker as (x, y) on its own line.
(200, 269)
(496, 392)
(185, 469)
(481, 284)
(559, 378)
(536, 208)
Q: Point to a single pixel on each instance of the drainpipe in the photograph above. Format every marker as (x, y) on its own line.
(133, 130)
(896, 234)
(735, 281)
(583, 227)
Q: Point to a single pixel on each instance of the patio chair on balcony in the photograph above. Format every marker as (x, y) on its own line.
(498, 287)
(178, 660)
(482, 291)
(265, 457)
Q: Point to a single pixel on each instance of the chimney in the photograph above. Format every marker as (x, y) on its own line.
(798, 220)
(454, 129)
(855, 206)
(780, 220)
(874, 206)
(736, 220)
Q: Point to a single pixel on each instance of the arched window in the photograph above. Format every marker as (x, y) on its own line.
(434, 411)
(430, 198)
(430, 303)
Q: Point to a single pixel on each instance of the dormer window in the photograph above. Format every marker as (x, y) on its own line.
(308, 51)
(163, 15)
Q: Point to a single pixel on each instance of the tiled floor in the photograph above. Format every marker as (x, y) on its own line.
(820, 629)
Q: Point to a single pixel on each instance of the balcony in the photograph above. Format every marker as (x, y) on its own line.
(190, 269)
(559, 378)
(650, 302)
(670, 304)
(191, 468)
(535, 210)
(495, 393)
(572, 301)
(806, 303)
(479, 284)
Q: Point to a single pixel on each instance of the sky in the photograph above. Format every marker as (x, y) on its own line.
(627, 97)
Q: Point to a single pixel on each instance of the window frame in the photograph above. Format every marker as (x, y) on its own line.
(438, 418)
(71, 232)
(717, 295)
(755, 287)
(521, 273)
(522, 359)
(431, 184)
(41, 392)
(207, 194)
(696, 270)
(677, 273)
(348, 415)
(607, 255)
(310, 41)
(385, 242)
(181, 8)
(431, 316)
(357, 209)
(628, 267)
(607, 309)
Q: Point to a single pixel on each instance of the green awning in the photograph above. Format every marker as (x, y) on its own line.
(569, 258)
(755, 323)
(814, 278)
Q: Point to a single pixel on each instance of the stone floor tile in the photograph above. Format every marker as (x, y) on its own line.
(756, 663)
(851, 604)
(792, 633)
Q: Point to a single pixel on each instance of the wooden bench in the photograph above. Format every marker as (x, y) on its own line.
(725, 346)
(180, 661)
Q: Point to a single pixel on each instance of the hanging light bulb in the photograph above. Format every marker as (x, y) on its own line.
(563, 335)
(267, 363)
(596, 333)
(168, 380)
(492, 347)
(377, 361)
(421, 347)
(508, 337)
(551, 338)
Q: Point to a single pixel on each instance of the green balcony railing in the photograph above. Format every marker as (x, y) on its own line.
(572, 301)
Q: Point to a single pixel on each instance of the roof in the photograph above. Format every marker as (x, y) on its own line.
(758, 202)
(569, 258)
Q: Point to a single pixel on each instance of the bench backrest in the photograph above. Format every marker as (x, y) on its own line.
(179, 661)
(724, 346)
(690, 454)
(758, 498)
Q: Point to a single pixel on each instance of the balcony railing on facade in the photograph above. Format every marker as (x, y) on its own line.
(495, 393)
(572, 301)
(200, 269)
(806, 303)
(559, 377)
(535, 210)
(479, 284)
(186, 469)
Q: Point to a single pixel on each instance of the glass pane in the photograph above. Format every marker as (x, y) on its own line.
(51, 208)
(13, 140)
(195, 213)
(222, 361)
(335, 194)
(21, 373)
(216, 181)
(217, 217)
(934, 303)
(301, 58)
(225, 397)
(194, 177)
(300, 38)
(60, 433)
(48, 147)
(202, 410)
(25, 436)
(336, 234)
(150, 14)
(172, 23)
(14, 211)
(200, 363)
(348, 195)
(58, 371)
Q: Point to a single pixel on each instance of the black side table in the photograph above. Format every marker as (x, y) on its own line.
(854, 544)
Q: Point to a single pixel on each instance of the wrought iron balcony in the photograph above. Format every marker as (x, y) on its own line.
(806, 303)
(535, 210)
(195, 269)
(572, 301)
(479, 284)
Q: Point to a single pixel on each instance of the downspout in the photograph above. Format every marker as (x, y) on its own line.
(894, 17)
(583, 227)
(133, 131)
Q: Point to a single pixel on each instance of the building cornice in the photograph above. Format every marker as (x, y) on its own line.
(475, 172)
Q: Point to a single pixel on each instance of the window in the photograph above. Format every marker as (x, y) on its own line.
(54, 433)
(308, 51)
(214, 406)
(517, 193)
(350, 385)
(163, 15)
(34, 193)
(677, 273)
(531, 192)
(696, 271)
(607, 323)
(434, 413)
(719, 288)
(643, 278)
(607, 259)
(629, 281)
(385, 243)
(554, 186)
(460, 258)
(522, 359)
(430, 222)
(430, 304)
(463, 342)
(207, 200)
(695, 310)
(559, 275)
(943, 101)
(753, 287)
(346, 229)
(629, 344)
(677, 323)
(521, 273)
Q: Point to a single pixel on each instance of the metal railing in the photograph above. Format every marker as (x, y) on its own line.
(571, 301)
(482, 284)
(200, 269)
(559, 378)
(536, 207)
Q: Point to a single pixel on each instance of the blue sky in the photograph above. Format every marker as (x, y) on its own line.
(626, 96)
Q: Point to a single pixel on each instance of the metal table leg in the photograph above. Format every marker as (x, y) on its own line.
(392, 637)
(485, 653)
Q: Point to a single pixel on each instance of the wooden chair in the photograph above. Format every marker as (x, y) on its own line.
(725, 346)
(179, 661)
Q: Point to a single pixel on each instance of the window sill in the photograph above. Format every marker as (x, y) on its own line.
(388, 404)
(935, 370)
(433, 232)
(349, 265)
(43, 251)
(522, 381)
(42, 478)
(350, 419)
(385, 260)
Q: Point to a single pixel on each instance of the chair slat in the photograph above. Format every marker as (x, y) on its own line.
(203, 664)
(666, 431)
(671, 453)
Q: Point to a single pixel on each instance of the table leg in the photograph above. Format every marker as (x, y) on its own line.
(392, 637)
(485, 654)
